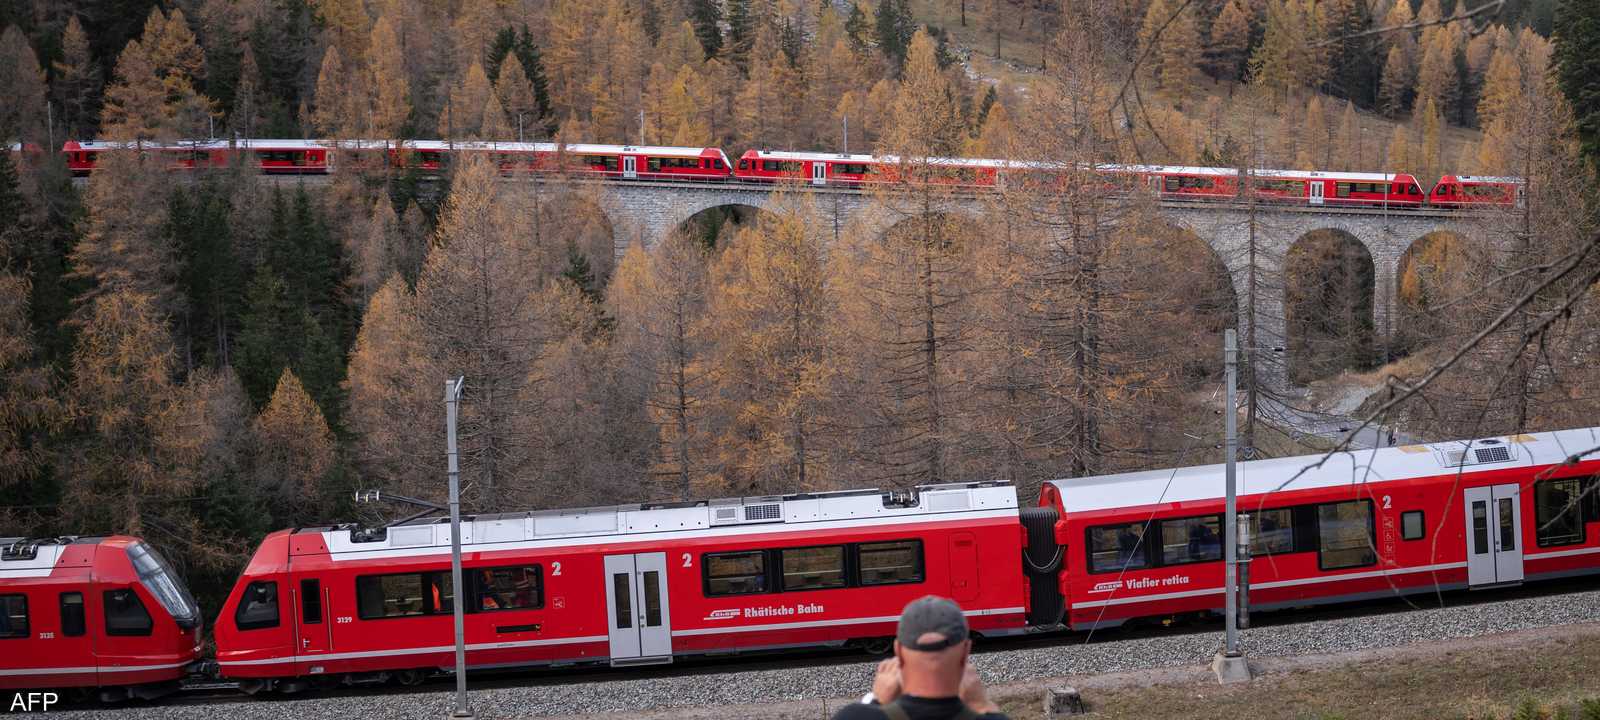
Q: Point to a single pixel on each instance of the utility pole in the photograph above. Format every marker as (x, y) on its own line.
(846, 134)
(452, 398)
(1229, 665)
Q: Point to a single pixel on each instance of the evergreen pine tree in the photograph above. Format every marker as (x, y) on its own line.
(1577, 62)
(855, 27)
(741, 33)
(707, 18)
(892, 41)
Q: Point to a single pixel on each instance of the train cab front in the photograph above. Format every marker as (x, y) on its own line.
(153, 627)
(253, 643)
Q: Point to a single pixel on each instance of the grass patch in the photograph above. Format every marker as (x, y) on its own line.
(1548, 679)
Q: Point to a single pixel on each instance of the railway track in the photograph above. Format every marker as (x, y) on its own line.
(202, 693)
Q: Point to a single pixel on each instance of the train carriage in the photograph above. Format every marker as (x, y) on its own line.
(1477, 191)
(271, 157)
(1370, 523)
(1376, 190)
(621, 585)
(818, 168)
(93, 612)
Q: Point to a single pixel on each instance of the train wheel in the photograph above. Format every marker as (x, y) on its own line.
(878, 647)
(411, 678)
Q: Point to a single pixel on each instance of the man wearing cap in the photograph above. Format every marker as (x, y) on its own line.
(929, 677)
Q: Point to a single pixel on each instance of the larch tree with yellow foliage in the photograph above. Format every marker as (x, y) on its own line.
(1394, 89)
(462, 118)
(1230, 38)
(658, 298)
(517, 97)
(779, 353)
(294, 450)
(391, 94)
(1437, 80)
(485, 309)
(340, 109)
(393, 385)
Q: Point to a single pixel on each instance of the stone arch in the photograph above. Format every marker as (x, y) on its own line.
(713, 225)
(1436, 268)
(646, 214)
(1180, 288)
(1330, 282)
(565, 216)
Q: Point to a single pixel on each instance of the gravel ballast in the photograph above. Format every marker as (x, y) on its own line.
(851, 678)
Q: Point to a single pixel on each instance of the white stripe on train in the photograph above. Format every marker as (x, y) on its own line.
(1273, 584)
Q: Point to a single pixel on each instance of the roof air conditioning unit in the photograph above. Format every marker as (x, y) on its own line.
(1484, 452)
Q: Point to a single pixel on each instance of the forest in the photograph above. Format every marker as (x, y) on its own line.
(202, 358)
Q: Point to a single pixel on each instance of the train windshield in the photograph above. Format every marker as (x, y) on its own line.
(157, 577)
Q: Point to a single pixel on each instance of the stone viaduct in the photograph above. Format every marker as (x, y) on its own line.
(645, 212)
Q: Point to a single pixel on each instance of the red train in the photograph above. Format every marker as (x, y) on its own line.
(650, 584)
(93, 612)
(626, 162)
(1366, 524)
(624, 585)
(647, 584)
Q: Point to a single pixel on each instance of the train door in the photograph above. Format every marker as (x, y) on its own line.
(73, 639)
(1494, 535)
(1317, 188)
(630, 166)
(637, 610)
(963, 567)
(819, 173)
(312, 627)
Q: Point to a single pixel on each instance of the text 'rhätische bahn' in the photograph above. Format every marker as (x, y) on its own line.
(1396, 191)
(644, 584)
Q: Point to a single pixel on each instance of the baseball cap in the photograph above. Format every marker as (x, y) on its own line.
(931, 614)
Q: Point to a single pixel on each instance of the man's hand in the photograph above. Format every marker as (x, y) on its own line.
(886, 685)
(972, 692)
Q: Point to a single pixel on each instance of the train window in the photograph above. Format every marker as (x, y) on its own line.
(621, 589)
(1557, 520)
(1295, 188)
(13, 616)
(812, 568)
(1411, 525)
(653, 164)
(311, 602)
(889, 563)
(517, 587)
(734, 573)
(652, 598)
(1342, 189)
(1178, 183)
(73, 622)
(1272, 531)
(403, 595)
(718, 165)
(125, 614)
(1345, 535)
(1191, 540)
(1114, 548)
(744, 164)
(258, 607)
